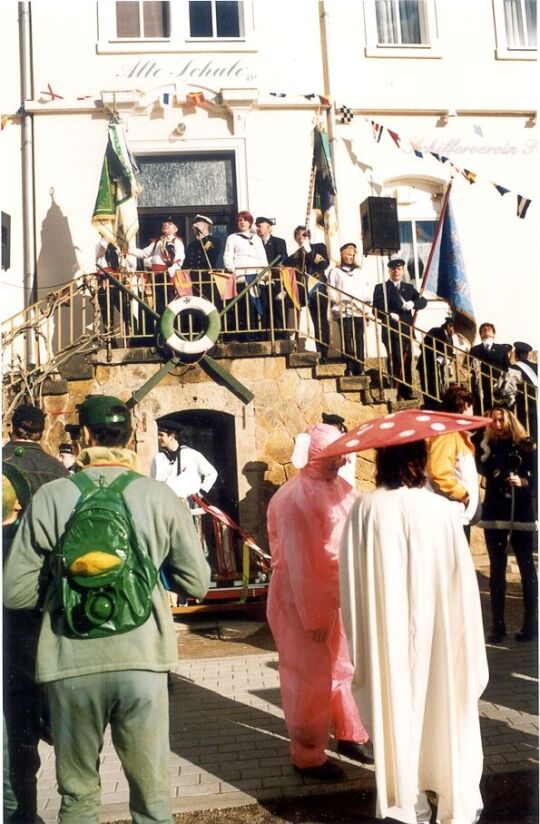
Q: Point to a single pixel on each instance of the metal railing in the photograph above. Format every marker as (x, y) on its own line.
(95, 312)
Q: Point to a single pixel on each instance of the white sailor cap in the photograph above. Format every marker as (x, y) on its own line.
(204, 219)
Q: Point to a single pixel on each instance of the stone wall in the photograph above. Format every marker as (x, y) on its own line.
(287, 399)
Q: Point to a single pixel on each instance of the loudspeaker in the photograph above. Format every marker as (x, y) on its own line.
(380, 228)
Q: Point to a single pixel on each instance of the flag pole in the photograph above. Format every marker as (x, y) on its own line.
(438, 229)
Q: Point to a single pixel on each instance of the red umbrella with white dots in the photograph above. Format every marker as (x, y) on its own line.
(400, 427)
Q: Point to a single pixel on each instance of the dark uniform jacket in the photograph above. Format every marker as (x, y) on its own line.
(275, 247)
(200, 252)
(314, 262)
(395, 298)
(497, 356)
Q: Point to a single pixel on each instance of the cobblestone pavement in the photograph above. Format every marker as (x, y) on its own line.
(229, 743)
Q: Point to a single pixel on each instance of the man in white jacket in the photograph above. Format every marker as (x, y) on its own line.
(185, 470)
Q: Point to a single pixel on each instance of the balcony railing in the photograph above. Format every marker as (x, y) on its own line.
(94, 312)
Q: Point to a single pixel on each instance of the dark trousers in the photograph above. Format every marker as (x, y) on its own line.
(399, 350)
(318, 309)
(353, 343)
(522, 544)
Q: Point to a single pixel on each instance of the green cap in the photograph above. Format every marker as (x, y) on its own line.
(102, 409)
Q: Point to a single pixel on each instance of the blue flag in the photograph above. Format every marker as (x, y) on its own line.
(447, 277)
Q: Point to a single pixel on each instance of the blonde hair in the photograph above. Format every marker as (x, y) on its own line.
(517, 432)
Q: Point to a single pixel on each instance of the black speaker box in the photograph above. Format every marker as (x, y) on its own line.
(380, 228)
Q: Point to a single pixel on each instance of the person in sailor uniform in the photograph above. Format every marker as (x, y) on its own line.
(244, 257)
(204, 252)
(166, 256)
(349, 297)
(312, 259)
(185, 470)
(395, 301)
(274, 247)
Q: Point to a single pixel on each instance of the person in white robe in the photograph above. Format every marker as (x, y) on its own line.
(411, 611)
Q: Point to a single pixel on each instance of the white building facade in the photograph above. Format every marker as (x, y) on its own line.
(218, 99)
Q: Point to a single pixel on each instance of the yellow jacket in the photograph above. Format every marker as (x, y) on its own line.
(445, 455)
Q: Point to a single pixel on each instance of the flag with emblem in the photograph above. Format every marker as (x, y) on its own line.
(445, 274)
(324, 191)
(115, 212)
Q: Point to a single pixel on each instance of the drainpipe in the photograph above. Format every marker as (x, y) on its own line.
(27, 171)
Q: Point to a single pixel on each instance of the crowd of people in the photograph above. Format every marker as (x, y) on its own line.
(373, 599)
(342, 294)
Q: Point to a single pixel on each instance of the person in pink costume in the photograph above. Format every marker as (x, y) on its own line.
(305, 521)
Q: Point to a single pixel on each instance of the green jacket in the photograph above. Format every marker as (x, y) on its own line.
(165, 530)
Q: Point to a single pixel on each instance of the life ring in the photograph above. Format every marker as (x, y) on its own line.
(177, 342)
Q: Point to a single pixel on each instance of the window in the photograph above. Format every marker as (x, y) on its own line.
(401, 28)
(520, 23)
(416, 237)
(515, 29)
(401, 22)
(216, 18)
(142, 20)
(176, 26)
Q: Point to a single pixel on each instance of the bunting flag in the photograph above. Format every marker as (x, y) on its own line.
(377, 130)
(395, 137)
(115, 213)
(288, 275)
(324, 100)
(345, 115)
(324, 190)
(195, 98)
(523, 204)
(470, 176)
(49, 92)
(225, 283)
(313, 284)
(182, 283)
(255, 295)
(445, 274)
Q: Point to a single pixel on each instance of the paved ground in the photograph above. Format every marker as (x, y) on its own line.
(229, 743)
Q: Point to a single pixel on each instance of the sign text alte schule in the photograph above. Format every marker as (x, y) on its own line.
(193, 68)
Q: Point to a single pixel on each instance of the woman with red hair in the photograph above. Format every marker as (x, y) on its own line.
(244, 257)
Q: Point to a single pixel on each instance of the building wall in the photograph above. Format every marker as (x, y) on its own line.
(491, 132)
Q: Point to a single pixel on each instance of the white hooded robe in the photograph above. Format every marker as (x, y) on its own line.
(411, 610)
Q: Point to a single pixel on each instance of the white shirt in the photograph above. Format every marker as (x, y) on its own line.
(188, 474)
(352, 283)
(156, 251)
(244, 252)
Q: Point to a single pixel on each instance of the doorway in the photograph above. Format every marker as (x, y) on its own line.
(213, 434)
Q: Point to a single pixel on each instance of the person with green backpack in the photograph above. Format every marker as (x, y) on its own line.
(89, 550)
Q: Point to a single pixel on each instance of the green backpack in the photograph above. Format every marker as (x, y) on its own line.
(106, 580)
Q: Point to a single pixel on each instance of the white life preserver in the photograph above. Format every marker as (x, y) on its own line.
(183, 345)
